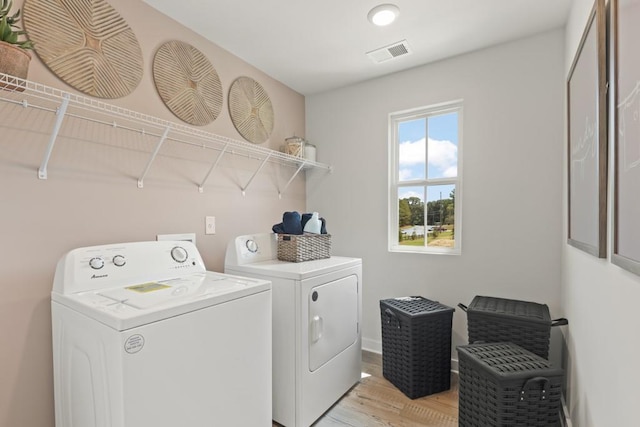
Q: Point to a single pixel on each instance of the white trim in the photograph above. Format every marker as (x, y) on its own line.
(375, 346)
(455, 366)
(372, 346)
(565, 417)
(394, 184)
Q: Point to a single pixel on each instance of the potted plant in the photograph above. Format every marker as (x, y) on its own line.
(14, 45)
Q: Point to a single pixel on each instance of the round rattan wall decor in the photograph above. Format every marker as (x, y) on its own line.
(86, 44)
(251, 110)
(187, 83)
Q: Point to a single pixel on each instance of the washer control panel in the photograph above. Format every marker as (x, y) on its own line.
(97, 267)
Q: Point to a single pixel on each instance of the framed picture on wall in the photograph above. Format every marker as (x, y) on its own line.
(587, 139)
(626, 213)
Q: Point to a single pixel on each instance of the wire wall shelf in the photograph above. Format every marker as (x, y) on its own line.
(62, 104)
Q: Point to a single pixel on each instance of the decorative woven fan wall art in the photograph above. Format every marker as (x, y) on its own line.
(187, 83)
(87, 44)
(250, 109)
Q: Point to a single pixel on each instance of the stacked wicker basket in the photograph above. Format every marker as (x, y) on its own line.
(505, 377)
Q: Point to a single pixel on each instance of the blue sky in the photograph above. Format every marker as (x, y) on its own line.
(443, 153)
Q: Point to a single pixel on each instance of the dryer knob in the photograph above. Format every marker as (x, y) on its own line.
(119, 260)
(252, 246)
(179, 254)
(96, 263)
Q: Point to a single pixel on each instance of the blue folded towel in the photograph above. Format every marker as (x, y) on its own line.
(291, 222)
(278, 228)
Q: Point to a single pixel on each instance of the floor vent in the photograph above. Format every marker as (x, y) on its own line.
(389, 52)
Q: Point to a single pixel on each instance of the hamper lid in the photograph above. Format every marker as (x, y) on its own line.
(516, 309)
(507, 360)
(416, 306)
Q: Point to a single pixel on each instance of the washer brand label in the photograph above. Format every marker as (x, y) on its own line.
(134, 344)
(147, 287)
(98, 276)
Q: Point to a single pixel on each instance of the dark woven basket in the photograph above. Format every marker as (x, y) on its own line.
(416, 345)
(527, 324)
(502, 384)
(303, 247)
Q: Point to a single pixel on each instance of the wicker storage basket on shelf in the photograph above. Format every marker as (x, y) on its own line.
(502, 384)
(416, 345)
(303, 247)
(527, 324)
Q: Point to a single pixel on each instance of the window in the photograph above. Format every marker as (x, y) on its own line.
(425, 179)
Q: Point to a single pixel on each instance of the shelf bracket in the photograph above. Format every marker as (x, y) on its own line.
(291, 179)
(153, 156)
(264, 162)
(213, 166)
(60, 112)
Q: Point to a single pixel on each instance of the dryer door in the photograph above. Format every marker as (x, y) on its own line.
(333, 319)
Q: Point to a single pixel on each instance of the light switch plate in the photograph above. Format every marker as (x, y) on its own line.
(210, 225)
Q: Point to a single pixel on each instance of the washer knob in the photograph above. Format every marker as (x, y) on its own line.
(252, 246)
(96, 263)
(119, 260)
(179, 254)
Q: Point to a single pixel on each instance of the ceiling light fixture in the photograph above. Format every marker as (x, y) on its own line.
(383, 14)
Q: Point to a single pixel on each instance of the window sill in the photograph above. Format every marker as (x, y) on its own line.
(424, 250)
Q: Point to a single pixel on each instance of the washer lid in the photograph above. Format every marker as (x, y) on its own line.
(138, 304)
(295, 270)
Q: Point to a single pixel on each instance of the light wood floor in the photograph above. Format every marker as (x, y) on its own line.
(375, 402)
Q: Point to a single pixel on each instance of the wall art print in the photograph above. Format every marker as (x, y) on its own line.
(626, 212)
(587, 139)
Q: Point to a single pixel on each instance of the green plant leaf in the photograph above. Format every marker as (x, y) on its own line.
(9, 31)
(6, 7)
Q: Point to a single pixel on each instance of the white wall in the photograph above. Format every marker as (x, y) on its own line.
(600, 300)
(513, 150)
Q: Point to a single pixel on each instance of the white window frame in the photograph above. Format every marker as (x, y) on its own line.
(395, 184)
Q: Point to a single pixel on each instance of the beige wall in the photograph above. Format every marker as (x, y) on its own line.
(91, 198)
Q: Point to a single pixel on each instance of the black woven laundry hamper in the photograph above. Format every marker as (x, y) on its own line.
(502, 384)
(527, 324)
(416, 345)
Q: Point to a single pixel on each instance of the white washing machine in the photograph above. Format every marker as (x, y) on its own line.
(316, 326)
(144, 336)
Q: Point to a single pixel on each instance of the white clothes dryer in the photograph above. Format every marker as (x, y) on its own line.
(144, 336)
(316, 318)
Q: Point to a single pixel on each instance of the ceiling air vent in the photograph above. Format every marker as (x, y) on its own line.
(389, 52)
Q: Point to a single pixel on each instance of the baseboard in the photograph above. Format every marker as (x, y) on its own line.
(565, 418)
(376, 347)
(372, 345)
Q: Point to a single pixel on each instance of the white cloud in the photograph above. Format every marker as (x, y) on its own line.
(405, 174)
(412, 153)
(450, 172)
(443, 155)
(406, 194)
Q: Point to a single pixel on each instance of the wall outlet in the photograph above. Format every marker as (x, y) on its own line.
(210, 225)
